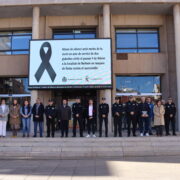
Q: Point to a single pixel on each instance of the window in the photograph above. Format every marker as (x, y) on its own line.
(74, 34)
(15, 42)
(14, 86)
(138, 84)
(137, 40)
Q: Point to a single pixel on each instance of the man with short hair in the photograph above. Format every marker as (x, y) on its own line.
(144, 111)
(51, 113)
(38, 116)
(118, 111)
(132, 113)
(77, 111)
(103, 116)
(64, 114)
(170, 113)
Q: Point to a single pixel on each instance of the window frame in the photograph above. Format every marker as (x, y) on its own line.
(136, 33)
(160, 79)
(72, 32)
(13, 33)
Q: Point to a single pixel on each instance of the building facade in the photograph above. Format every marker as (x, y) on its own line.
(145, 44)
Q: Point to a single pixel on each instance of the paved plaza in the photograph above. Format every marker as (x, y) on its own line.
(132, 168)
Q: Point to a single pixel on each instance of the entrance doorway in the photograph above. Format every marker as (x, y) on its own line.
(71, 95)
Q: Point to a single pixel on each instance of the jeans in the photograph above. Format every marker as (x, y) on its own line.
(144, 125)
(40, 128)
(26, 125)
(150, 124)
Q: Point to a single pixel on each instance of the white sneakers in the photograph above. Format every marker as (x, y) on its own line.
(147, 134)
(88, 136)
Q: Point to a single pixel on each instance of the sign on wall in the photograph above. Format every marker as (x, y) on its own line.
(80, 63)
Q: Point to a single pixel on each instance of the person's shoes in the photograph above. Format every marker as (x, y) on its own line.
(74, 136)
(128, 135)
(174, 134)
(88, 136)
(147, 134)
(28, 135)
(134, 135)
(120, 135)
(94, 136)
(34, 136)
(141, 134)
(150, 133)
(23, 135)
(62, 136)
(115, 135)
(47, 136)
(106, 135)
(100, 135)
(41, 136)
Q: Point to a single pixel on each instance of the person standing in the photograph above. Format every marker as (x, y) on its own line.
(50, 112)
(4, 111)
(144, 111)
(170, 113)
(151, 114)
(77, 111)
(25, 112)
(38, 117)
(103, 116)
(117, 112)
(64, 114)
(15, 117)
(132, 113)
(91, 119)
(159, 112)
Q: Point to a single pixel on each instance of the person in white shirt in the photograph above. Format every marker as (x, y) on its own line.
(91, 119)
(4, 111)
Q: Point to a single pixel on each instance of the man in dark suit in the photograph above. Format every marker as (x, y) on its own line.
(38, 116)
(51, 113)
(103, 116)
(91, 119)
(64, 114)
(77, 111)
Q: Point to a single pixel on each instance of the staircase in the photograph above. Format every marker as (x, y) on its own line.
(75, 148)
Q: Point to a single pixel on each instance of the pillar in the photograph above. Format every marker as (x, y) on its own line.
(107, 34)
(176, 13)
(35, 35)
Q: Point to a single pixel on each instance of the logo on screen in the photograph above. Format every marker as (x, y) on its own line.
(64, 79)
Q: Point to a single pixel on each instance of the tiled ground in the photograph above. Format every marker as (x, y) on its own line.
(136, 168)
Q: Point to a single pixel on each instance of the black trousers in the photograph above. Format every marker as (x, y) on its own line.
(132, 119)
(117, 125)
(64, 127)
(100, 126)
(80, 122)
(169, 120)
(50, 127)
(91, 125)
(159, 130)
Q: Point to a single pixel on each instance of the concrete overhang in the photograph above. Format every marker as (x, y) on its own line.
(75, 7)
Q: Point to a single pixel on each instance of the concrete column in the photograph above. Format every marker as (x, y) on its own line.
(35, 35)
(176, 12)
(107, 34)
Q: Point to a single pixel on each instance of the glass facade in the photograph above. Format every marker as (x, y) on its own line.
(137, 40)
(138, 84)
(74, 34)
(14, 86)
(15, 42)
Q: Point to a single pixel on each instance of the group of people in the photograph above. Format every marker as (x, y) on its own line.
(141, 115)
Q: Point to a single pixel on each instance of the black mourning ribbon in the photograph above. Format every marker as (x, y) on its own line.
(45, 64)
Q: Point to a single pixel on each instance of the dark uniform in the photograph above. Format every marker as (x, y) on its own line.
(103, 111)
(132, 107)
(118, 110)
(50, 111)
(77, 111)
(170, 109)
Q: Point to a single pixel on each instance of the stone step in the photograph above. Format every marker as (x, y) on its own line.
(75, 148)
